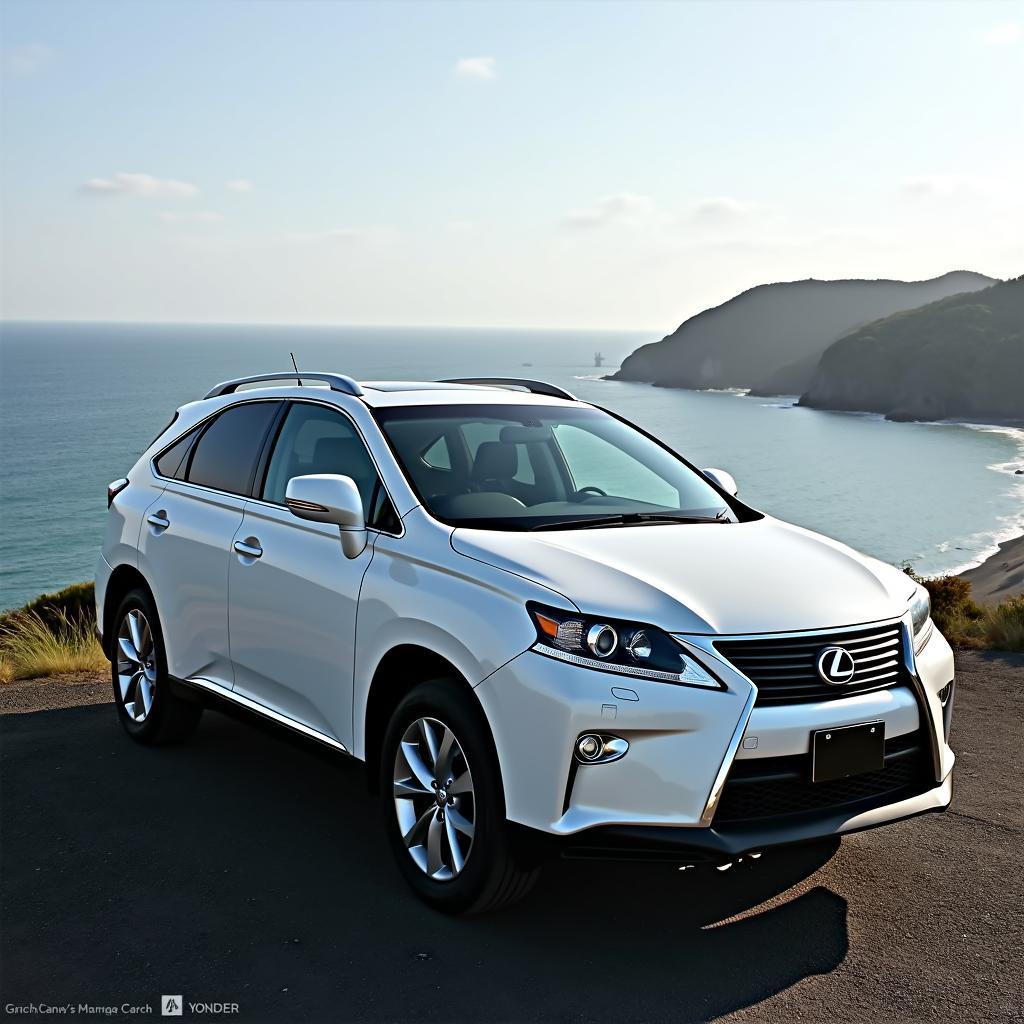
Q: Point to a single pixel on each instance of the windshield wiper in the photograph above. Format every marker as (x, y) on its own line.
(626, 519)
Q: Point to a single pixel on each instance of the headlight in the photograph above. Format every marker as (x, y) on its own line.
(611, 645)
(920, 613)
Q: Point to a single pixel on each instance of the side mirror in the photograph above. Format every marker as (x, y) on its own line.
(329, 498)
(723, 479)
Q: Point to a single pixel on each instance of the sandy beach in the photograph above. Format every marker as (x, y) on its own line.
(1001, 575)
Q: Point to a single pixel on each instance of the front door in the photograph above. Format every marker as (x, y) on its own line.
(293, 593)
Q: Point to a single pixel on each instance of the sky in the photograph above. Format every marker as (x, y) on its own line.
(585, 165)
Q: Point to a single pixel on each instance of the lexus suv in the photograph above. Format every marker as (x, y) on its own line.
(543, 631)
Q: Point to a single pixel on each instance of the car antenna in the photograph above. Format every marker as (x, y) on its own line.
(296, 367)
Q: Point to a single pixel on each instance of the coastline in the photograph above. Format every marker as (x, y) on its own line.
(1001, 575)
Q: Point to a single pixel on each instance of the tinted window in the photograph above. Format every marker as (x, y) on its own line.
(315, 439)
(172, 462)
(225, 455)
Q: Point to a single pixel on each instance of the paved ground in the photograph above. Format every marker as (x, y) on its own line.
(246, 868)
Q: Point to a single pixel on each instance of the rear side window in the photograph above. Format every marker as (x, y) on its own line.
(171, 463)
(225, 455)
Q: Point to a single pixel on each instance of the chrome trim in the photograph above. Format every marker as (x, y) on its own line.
(251, 705)
(270, 504)
(534, 387)
(921, 640)
(708, 814)
(828, 631)
(335, 381)
(921, 693)
(628, 670)
(594, 635)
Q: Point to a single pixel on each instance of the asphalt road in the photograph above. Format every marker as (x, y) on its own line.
(246, 868)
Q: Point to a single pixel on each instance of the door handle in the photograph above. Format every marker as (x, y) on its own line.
(249, 548)
(158, 520)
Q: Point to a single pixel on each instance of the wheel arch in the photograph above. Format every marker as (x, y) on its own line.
(398, 672)
(123, 579)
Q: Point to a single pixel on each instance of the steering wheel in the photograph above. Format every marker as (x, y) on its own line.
(592, 490)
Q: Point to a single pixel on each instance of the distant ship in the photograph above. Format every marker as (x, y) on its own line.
(598, 360)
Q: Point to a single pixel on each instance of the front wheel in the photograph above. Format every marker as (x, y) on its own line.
(149, 711)
(444, 804)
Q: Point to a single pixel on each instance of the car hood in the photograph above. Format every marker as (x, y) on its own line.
(757, 577)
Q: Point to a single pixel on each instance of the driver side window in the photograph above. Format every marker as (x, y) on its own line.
(315, 439)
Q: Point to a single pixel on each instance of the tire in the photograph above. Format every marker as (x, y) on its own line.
(423, 821)
(148, 709)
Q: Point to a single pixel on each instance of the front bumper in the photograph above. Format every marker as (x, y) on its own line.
(683, 743)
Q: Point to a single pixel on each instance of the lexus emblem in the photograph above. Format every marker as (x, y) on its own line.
(836, 666)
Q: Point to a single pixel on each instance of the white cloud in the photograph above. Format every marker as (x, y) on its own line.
(723, 210)
(143, 185)
(30, 59)
(1007, 34)
(624, 208)
(239, 185)
(926, 186)
(198, 217)
(476, 67)
(344, 236)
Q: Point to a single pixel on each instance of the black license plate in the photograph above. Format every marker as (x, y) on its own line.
(847, 750)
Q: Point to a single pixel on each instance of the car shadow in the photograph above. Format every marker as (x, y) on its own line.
(249, 867)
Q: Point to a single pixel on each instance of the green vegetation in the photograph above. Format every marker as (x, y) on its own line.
(960, 357)
(53, 635)
(966, 624)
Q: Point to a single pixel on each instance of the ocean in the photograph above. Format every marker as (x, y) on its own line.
(79, 402)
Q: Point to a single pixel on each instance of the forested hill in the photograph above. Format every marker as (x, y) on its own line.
(961, 357)
(770, 337)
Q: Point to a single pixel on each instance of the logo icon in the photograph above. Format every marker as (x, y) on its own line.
(836, 666)
(170, 1006)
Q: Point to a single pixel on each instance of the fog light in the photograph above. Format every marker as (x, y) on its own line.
(596, 748)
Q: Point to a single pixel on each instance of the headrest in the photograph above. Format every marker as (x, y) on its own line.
(495, 461)
(344, 455)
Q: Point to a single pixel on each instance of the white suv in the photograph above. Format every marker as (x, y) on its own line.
(543, 631)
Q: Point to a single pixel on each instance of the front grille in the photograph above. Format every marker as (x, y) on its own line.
(773, 787)
(784, 668)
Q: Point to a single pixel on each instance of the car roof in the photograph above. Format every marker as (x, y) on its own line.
(390, 393)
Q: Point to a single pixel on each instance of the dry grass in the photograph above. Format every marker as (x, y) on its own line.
(31, 646)
(969, 626)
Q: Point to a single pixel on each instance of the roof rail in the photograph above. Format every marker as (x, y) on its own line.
(335, 381)
(535, 387)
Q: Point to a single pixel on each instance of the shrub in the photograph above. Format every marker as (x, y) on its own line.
(1004, 624)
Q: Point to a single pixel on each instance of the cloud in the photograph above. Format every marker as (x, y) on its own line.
(197, 217)
(30, 59)
(624, 208)
(1007, 34)
(344, 236)
(142, 185)
(723, 210)
(927, 186)
(476, 67)
(239, 185)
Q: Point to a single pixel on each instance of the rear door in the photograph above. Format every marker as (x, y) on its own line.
(188, 531)
(293, 592)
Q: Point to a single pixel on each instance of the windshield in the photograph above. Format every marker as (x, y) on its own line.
(529, 467)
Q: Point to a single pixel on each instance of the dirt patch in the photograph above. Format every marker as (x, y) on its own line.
(24, 695)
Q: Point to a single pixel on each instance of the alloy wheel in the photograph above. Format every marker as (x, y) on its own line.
(136, 665)
(434, 799)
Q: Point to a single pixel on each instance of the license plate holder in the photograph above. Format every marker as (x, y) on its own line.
(847, 750)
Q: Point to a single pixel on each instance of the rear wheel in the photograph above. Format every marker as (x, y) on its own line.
(148, 710)
(444, 804)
